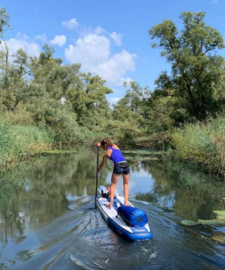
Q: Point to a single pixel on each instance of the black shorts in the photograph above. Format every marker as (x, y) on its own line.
(122, 167)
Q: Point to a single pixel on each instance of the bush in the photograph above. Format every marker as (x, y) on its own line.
(160, 141)
(17, 141)
(21, 117)
(203, 143)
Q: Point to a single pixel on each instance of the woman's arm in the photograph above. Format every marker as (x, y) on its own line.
(104, 159)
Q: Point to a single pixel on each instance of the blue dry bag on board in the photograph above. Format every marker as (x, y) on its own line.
(133, 216)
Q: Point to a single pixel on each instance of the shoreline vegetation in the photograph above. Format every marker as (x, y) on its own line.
(202, 144)
(46, 104)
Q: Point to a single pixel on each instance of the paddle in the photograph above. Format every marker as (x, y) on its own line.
(97, 177)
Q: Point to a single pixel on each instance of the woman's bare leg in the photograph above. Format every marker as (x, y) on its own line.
(126, 188)
(115, 178)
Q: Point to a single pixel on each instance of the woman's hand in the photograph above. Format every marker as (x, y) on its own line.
(98, 144)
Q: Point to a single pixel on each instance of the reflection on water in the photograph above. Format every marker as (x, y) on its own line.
(48, 219)
(190, 193)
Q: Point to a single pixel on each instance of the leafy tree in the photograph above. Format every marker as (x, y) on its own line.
(48, 72)
(197, 70)
(15, 85)
(145, 110)
(84, 94)
(133, 106)
(129, 115)
(4, 52)
(89, 102)
(122, 111)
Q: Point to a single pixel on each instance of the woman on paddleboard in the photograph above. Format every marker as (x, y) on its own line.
(121, 166)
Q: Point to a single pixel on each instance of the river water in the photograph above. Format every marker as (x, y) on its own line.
(48, 218)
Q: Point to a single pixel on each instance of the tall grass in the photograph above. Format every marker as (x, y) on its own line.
(17, 141)
(202, 143)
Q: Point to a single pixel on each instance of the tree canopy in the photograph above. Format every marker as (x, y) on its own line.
(57, 96)
(72, 104)
(196, 69)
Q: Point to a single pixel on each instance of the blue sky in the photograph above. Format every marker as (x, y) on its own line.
(108, 37)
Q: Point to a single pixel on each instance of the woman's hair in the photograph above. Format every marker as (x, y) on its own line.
(106, 142)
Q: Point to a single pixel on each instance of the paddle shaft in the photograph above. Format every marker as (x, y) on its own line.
(97, 176)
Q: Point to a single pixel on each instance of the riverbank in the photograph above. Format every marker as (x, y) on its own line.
(19, 143)
(202, 144)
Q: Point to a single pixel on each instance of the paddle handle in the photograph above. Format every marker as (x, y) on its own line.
(97, 176)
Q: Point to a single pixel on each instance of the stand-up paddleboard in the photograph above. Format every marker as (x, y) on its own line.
(119, 223)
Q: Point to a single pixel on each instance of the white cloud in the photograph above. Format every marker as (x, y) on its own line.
(117, 38)
(23, 42)
(41, 37)
(117, 66)
(114, 100)
(127, 81)
(99, 30)
(59, 40)
(71, 24)
(93, 52)
(84, 31)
